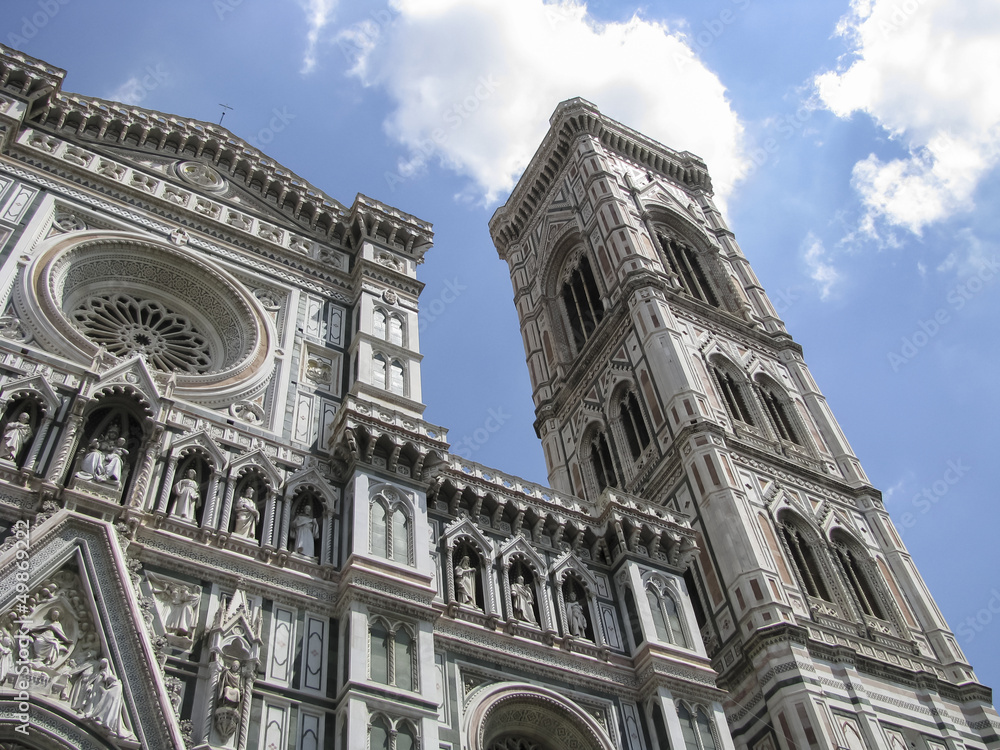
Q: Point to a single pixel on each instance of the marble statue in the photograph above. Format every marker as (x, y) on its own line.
(305, 530)
(187, 493)
(522, 600)
(15, 435)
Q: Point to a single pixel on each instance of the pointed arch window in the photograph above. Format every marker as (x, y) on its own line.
(803, 554)
(390, 531)
(778, 410)
(733, 396)
(378, 371)
(696, 728)
(392, 654)
(378, 324)
(634, 425)
(395, 330)
(600, 461)
(666, 617)
(583, 302)
(686, 265)
(397, 379)
(852, 566)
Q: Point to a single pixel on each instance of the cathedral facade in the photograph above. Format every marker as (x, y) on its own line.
(225, 523)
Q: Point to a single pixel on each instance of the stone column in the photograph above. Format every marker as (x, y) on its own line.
(168, 480)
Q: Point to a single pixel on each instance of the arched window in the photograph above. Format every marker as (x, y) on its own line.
(379, 734)
(777, 409)
(406, 736)
(378, 324)
(600, 460)
(583, 302)
(696, 729)
(378, 371)
(684, 262)
(802, 550)
(397, 382)
(395, 330)
(666, 617)
(390, 530)
(634, 425)
(392, 654)
(733, 396)
(854, 567)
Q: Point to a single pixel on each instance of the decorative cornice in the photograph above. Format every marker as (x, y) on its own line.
(94, 121)
(572, 119)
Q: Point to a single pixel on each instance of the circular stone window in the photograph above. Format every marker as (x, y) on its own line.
(200, 175)
(180, 312)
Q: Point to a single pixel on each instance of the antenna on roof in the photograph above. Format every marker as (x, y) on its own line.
(224, 108)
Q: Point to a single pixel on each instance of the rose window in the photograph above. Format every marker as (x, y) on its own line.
(125, 325)
(174, 308)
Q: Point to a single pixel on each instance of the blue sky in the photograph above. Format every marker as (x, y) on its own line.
(854, 147)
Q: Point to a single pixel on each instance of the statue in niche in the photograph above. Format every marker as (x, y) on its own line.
(104, 461)
(180, 602)
(102, 700)
(246, 516)
(465, 582)
(522, 600)
(187, 494)
(6, 654)
(15, 435)
(575, 616)
(92, 466)
(305, 530)
(114, 461)
(49, 641)
(229, 696)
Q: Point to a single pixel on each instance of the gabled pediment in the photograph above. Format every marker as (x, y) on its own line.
(133, 376)
(95, 679)
(200, 440)
(464, 527)
(259, 460)
(35, 386)
(311, 477)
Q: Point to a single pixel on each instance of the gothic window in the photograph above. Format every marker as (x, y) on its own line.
(397, 383)
(666, 616)
(778, 409)
(684, 262)
(392, 654)
(696, 729)
(802, 551)
(379, 734)
(634, 425)
(583, 302)
(390, 530)
(378, 371)
(854, 568)
(733, 395)
(395, 330)
(388, 327)
(600, 461)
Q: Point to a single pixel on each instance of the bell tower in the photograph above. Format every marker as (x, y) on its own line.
(660, 368)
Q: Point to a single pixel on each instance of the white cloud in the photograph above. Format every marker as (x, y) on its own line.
(473, 83)
(926, 72)
(131, 92)
(820, 269)
(318, 14)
